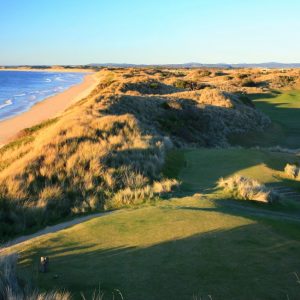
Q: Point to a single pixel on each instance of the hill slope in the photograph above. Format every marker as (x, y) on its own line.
(107, 151)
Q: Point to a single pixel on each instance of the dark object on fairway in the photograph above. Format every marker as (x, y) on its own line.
(44, 263)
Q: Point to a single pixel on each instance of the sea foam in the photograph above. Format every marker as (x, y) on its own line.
(6, 103)
(19, 91)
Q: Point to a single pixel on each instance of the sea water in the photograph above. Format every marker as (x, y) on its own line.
(20, 90)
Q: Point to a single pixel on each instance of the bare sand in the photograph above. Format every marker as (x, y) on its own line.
(48, 108)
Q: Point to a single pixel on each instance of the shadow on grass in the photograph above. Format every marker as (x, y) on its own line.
(228, 264)
(284, 131)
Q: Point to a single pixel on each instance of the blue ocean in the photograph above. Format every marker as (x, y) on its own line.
(20, 90)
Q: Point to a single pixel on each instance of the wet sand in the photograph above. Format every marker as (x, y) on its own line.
(48, 108)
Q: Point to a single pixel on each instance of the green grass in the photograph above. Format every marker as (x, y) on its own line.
(16, 143)
(200, 243)
(204, 245)
(284, 111)
(171, 251)
(203, 167)
(39, 126)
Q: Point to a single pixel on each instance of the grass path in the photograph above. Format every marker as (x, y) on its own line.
(20, 241)
(49, 229)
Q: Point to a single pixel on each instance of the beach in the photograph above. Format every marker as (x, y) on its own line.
(48, 108)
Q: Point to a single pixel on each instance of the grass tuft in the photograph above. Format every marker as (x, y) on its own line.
(248, 189)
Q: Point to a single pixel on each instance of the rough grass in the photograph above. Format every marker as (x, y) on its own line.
(248, 189)
(108, 150)
(292, 171)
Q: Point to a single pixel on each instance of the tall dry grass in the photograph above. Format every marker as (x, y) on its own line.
(292, 171)
(248, 189)
(107, 150)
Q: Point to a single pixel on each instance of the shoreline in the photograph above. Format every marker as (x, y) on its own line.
(48, 108)
(62, 70)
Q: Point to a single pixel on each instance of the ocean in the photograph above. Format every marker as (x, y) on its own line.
(20, 90)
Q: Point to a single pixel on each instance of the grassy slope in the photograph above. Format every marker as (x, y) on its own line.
(203, 167)
(184, 246)
(283, 109)
(171, 251)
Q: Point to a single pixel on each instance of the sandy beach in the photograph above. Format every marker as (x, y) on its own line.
(48, 108)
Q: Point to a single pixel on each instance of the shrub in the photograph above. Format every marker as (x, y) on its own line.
(138, 195)
(219, 73)
(154, 85)
(248, 189)
(189, 85)
(181, 84)
(242, 76)
(249, 83)
(204, 73)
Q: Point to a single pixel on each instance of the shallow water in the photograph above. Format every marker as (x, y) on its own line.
(20, 90)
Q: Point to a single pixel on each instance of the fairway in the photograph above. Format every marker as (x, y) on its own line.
(200, 169)
(171, 251)
(284, 110)
(193, 245)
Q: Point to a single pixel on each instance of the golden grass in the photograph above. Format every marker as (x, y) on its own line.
(108, 150)
(248, 189)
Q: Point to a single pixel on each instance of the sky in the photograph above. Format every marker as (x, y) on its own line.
(36, 32)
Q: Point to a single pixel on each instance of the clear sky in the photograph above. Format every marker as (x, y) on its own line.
(154, 31)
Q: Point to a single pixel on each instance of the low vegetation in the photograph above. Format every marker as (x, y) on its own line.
(248, 189)
(12, 288)
(172, 250)
(141, 134)
(108, 150)
(292, 171)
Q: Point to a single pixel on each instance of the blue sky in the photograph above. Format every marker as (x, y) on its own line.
(157, 31)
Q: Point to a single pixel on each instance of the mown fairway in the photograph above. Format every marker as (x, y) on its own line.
(200, 169)
(172, 251)
(284, 110)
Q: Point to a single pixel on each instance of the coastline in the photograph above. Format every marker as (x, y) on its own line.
(48, 108)
(62, 70)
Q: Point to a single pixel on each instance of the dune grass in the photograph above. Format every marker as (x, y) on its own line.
(108, 151)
